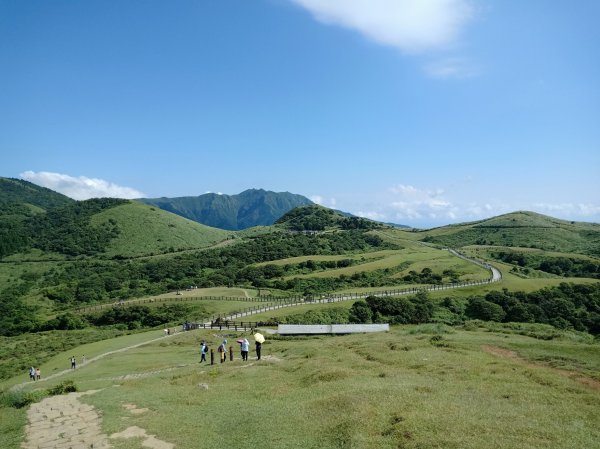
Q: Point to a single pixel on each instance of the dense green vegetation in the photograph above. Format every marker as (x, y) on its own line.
(139, 316)
(63, 229)
(18, 191)
(95, 281)
(253, 207)
(559, 265)
(318, 218)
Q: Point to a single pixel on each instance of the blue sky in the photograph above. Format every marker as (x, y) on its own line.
(420, 112)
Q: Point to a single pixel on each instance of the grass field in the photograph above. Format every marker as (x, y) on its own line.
(169, 232)
(415, 387)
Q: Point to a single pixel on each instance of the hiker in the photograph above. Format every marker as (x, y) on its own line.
(83, 359)
(203, 351)
(32, 373)
(166, 332)
(223, 350)
(258, 347)
(73, 362)
(38, 374)
(245, 347)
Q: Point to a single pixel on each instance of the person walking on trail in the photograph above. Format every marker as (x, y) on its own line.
(223, 350)
(258, 348)
(245, 348)
(73, 362)
(38, 374)
(203, 351)
(32, 373)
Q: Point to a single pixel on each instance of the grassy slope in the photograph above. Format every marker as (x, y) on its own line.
(524, 229)
(146, 230)
(363, 391)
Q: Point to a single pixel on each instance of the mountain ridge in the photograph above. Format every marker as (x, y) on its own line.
(252, 207)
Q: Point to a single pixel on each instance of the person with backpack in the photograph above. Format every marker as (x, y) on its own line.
(223, 350)
(32, 373)
(203, 351)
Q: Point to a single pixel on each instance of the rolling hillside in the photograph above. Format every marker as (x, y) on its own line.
(163, 232)
(17, 191)
(521, 229)
(253, 207)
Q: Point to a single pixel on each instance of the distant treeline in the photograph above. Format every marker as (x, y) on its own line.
(567, 306)
(561, 266)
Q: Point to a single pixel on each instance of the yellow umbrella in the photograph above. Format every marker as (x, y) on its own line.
(259, 338)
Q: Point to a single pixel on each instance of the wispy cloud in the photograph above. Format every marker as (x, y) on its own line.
(409, 25)
(452, 68)
(568, 209)
(322, 201)
(372, 215)
(80, 187)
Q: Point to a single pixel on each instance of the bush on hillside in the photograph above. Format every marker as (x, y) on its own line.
(480, 309)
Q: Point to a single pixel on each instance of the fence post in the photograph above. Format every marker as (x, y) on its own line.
(212, 356)
(231, 352)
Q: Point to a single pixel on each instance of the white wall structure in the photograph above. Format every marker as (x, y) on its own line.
(305, 329)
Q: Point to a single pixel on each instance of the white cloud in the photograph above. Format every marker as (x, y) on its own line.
(409, 25)
(451, 68)
(372, 215)
(81, 187)
(322, 201)
(317, 199)
(569, 209)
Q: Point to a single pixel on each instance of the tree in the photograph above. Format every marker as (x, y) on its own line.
(360, 312)
(480, 309)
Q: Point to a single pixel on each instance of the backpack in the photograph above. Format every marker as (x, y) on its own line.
(205, 349)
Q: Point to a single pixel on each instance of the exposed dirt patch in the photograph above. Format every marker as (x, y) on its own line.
(507, 353)
(148, 440)
(134, 410)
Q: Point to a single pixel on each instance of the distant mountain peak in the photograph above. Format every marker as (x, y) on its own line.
(252, 207)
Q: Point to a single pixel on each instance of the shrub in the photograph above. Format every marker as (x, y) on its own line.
(20, 398)
(479, 308)
(66, 386)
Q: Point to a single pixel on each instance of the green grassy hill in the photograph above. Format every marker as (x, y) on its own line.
(414, 387)
(146, 230)
(521, 229)
(18, 191)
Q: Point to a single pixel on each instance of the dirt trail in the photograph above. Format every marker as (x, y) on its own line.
(91, 360)
(62, 422)
(508, 354)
